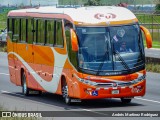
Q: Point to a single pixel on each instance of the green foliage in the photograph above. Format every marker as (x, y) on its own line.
(3, 49)
(152, 67)
(157, 7)
(93, 3)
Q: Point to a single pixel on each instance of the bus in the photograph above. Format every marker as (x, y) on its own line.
(76, 52)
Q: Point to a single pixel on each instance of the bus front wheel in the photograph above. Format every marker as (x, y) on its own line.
(65, 93)
(25, 89)
(126, 100)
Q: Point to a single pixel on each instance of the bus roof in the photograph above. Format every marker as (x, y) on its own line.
(93, 15)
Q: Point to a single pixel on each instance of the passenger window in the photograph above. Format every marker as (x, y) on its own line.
(10, 28)
(59, 34)
(35, 28)
(40, 33)
(30, 31)
(23, 30)
(16, 30)
(49, 31)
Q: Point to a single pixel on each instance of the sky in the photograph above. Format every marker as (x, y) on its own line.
(27, 2)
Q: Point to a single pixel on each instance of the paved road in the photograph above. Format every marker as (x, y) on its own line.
(12, 99)
(154, 53)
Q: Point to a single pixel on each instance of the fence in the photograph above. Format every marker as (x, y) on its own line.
(152, 22)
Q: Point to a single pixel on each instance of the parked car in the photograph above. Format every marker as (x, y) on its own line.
(3, 36)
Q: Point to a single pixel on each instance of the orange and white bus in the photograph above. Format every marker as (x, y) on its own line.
(78, 52)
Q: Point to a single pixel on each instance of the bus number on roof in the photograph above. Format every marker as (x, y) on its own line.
(106, 16)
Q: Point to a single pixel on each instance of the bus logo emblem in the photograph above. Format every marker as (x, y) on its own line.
(106, 16)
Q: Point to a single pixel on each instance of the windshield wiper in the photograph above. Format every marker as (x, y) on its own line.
(122, 60)
(101, 64)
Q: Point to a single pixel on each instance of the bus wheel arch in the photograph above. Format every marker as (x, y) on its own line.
(65, 91)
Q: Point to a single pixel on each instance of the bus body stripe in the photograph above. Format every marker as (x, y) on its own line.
(52, 85)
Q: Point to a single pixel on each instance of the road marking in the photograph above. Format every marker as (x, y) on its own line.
(3, 91)
(147, 100)
(4, 74)
(94, 112)
(135, 98)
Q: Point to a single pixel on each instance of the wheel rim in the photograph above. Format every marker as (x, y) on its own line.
(65, 93)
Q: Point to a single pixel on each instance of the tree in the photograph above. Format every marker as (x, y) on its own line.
(157, 7)
(93, 3)
(157, 2)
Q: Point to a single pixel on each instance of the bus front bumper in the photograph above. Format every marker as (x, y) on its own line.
(131, 91)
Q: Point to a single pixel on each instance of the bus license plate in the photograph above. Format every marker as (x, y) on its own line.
(115, 91)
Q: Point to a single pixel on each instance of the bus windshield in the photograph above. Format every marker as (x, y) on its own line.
(110, 50)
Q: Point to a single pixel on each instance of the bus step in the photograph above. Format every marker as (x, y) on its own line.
(75, 100)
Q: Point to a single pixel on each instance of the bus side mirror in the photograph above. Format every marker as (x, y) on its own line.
(147, 36)
(74, 40)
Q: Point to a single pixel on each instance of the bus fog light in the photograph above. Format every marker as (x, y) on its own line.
(139, 87)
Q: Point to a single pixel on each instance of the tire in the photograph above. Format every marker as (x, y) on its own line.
(25, 89)
(39, 93)
(126, 100)
(65, 94)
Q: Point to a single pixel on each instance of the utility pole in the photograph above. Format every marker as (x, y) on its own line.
(30, 2)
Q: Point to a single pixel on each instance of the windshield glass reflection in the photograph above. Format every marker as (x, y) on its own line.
(110, 48)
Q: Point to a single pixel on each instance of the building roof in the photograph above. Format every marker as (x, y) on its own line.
(91, 15)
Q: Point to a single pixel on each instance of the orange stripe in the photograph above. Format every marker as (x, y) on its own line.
(43, 53)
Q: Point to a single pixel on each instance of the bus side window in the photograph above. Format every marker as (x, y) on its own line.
(72, 55)
(30, 31)
(40, 32)
(16, 30)
(59, 41)
(23, 30)
(10, 28)
(35, 28)
(49, 39)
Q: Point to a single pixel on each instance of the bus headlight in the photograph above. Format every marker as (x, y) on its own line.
(85, 81)
(138, 79)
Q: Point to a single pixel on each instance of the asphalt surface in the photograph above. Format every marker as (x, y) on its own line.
(152, 52)
(11, 98)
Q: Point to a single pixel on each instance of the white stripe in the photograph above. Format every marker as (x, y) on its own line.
(147, 100)
(3, 91)
(4, 74)
(94, 112)
(59, 62)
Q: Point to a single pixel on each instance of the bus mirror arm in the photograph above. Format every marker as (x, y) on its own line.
(147, 36)
(74, 40)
